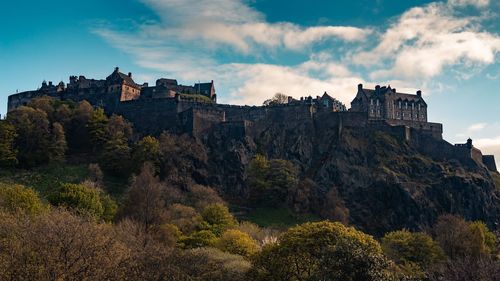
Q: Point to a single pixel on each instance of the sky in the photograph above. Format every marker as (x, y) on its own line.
(252, 49)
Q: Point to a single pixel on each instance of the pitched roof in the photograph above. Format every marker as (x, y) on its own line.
(202, 87)
(382, 91)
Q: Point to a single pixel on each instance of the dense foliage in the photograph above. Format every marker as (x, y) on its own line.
(82, 197)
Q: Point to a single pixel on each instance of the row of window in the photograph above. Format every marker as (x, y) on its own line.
(399, 103)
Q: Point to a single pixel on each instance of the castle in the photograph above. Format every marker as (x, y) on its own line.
(168, 106)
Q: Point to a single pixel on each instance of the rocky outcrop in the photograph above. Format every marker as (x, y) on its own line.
(386, 182)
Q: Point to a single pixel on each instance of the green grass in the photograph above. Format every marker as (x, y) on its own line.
(46, 178)
(281, 216)
(196, 96)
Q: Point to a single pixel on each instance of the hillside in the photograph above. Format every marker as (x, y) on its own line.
(386, 183)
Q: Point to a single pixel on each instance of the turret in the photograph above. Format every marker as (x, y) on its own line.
(469, 143)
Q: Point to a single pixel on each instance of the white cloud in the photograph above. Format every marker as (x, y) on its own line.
(235, 24)
(490, 146)
(261, 81)
(476, 127)
(190, 34)
(424, 40)
(463, 3)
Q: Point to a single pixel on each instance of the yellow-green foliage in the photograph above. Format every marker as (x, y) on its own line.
(202, 238)
(217, 218)
(322, 251)
(413, 252)
(18, 198)
(483, 238)
(85, 200)
(237, 242)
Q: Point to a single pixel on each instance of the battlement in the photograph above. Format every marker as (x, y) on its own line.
(170, 106)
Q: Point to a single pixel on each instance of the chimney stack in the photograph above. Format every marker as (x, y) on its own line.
(419, 93)
(130, 74)
(360, 87)
(117, 69)
(377, 89)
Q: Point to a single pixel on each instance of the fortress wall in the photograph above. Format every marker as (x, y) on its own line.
(150, 117)
(20, 99)
(489, 162)
(433, 129)
(205, 119)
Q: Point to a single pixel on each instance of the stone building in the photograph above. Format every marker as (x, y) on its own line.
(385, 103)
(117, 87)
(324, 102)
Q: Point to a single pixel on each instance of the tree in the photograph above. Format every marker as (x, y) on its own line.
(197, 239)
(218, 218)
(184, 217)
(15, 198)
(116, 157)
(8, 154)
(143, 202)
(271, 181)
(57, 245)
(282, 177)
(82, 199)
(147, 150)
(97, 125)
(33, 135)
(462, 239)
(236, 242)
(322, 251)
(257, 177)
(408, 249)
(278, 98)
(78, 131)
(334, 207)
(213, 265)
(58, 145)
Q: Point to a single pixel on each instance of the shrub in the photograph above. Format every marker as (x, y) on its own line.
(236, 242)
(218, 218)
(18, 198)
(82, 199)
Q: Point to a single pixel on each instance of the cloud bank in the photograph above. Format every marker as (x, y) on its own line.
(231, 42)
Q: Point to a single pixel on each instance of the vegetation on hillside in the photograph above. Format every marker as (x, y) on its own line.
(84, 198)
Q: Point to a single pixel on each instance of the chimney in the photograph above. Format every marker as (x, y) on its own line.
(117, 69)
(394, 90)
(360, 87)
(130, 74)
(419, 93)
(50, 83)
(377, 89)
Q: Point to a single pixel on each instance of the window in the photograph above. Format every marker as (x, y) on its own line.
(399, 104)
(371, 102)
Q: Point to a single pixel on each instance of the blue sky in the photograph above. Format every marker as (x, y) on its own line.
(253, 49)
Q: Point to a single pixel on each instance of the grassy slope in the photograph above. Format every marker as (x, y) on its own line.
(45, 179)
(277, 217)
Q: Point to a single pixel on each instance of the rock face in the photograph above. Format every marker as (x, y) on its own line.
(387, 182)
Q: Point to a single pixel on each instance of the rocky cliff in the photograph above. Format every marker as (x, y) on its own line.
(386, 182)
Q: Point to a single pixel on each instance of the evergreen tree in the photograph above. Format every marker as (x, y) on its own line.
(8, 154)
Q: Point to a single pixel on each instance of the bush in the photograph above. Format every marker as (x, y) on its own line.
(415, 251)
(217, 218)
(202, 238)
(324, 251)
(82, 199)
(18, 198)
(236, 242)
